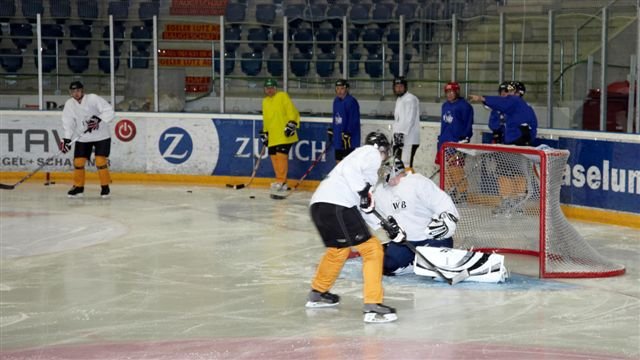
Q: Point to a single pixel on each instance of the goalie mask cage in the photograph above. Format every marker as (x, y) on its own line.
(509, 202)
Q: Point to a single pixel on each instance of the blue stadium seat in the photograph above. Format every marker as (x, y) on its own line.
(394, 64)
(372, 39)
(382, 14)
(7, 10)
(393, 40)
(277, 39)
(147, 11)
(301, 64)
(359, 15)
(143, 36)
(251, 63)
(30, 8)
(353, 64)
(51, 33)
(118, 36)
(139, 60)
(77, 60)
(48, 59)
(11, 59)
(231, 39)
(410, 12)
(275, 66)
(303, 40)
(334, 15)
(119, 10)
(326, 40)
(60, 10)
(325, 64)
(87, 11)
(266, 14)
(80, 36)
(352, 37)
(104, 61)
(315, 13)
(229, 62)
(21, 34)
(373, 65)
(258, 39)
(235, 14)
(294, 14)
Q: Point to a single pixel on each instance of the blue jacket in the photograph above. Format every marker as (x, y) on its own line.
(517, 112)
(346, 119)
(456, 122)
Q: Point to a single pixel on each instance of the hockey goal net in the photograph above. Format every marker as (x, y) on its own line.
(509, 201)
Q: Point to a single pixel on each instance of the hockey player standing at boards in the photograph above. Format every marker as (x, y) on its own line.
(497, 119)
(406, 123)
(280, 123)
(456, 122)
(87, 116)
(336, 208)
(344, 132)
(427, 215)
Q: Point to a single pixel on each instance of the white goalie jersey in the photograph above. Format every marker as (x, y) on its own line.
(482, 267)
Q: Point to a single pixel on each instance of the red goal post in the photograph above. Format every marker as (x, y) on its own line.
(509, 202)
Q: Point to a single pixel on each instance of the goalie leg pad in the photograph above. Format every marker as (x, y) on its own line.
(482, 267)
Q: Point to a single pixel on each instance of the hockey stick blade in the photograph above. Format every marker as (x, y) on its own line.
(7, 187)
(236, 187)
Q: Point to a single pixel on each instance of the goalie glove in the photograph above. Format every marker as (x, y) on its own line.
(394, 231)
(290, 129)
(366, 200)
(442, 227)
(93, 123)
(264, 137)
(65, 145)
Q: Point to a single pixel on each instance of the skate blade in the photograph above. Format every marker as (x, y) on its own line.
(319, 305)
(77, 196)
(375, 318)
(278, 197)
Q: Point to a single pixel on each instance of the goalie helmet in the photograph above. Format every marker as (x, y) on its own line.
(392, 168)
(379, 140)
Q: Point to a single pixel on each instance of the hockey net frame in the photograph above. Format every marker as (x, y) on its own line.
(509, 202)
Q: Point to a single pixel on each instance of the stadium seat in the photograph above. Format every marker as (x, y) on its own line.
(359, 15)
(229, 62)
(80, 36)
(410, 12)
(141, 36)
(266, 14)
(231, 39)
(235, 14)
(275, 67)
(315, 13)
(48, 59)
(104, 61)
(119, 10)
(30, 8)
(139, 60)
(353, 64)
(334, 16)
(51, 33)
(87, 11)
(7, 10)
(394, 64)
(294, 14)
(393, 40)
(277, 40)
(251, 63)
(382, 14)
(11, 59)
(372, 39)
(21, 34)
(325, 65)
(301, 64)
(60, 10)
(326, 39)
(303, 40)
(373, 65)
(147, 11)
(258, 39)
(353, 37)
(77, 60)
(118, 36)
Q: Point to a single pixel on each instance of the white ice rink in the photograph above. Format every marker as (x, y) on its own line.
(186, 272)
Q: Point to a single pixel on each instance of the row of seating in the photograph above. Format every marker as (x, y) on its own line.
(87, 10)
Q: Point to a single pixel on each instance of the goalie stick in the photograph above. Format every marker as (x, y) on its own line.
(44, 163)
(313, 164)
(253, 174)
(450, 280)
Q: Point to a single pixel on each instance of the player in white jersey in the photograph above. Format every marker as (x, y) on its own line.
(427, 214)
(406, 123)
(85, 117)
(336, 212)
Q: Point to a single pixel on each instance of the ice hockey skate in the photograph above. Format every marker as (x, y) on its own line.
(105, 192)
(279, 191)
(317, 299)
(76, 192)
(379, 313)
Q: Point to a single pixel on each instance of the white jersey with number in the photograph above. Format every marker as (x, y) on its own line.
(351, 175)
(75, 116)
(412, 202)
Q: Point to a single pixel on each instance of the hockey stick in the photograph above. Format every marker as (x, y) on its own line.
(450, 280)
(44, 163)
(253, 174)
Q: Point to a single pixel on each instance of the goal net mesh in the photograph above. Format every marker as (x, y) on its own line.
(509, 201)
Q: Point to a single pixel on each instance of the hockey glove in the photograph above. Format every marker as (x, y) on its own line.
(497, 137)
(346, 141)
(464, 141)
(366, 200)
(65, 145)
(398, 141)
(290, 129)
(330, 135)
(525, 135)
(442, 227)
(394, 231)
(93, 123)
(264, 137)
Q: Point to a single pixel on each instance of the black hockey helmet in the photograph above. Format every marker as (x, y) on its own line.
(342, 82)
(76, 85)
(520, 88)
(379, 140)
(392, 168)
(503, 87)
(400, 80)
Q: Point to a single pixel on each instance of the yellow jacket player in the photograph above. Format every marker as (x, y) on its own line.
(280, 123)
(87, 116)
